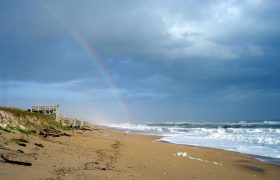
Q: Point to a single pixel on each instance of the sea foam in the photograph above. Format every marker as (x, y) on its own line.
(261, 138)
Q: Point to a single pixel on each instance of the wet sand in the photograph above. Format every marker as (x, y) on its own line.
(109, 154)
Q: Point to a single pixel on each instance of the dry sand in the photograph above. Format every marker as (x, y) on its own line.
(108, 154)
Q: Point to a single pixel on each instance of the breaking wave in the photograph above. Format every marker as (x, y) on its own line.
(260, 138)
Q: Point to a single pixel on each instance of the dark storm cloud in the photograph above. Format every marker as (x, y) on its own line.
(184, 54)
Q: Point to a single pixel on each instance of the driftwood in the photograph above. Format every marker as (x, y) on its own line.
(20, 151)
(86, 128)
(52, 132)
(16, 162)
(46, 134)
(22, 144)
(38, 144)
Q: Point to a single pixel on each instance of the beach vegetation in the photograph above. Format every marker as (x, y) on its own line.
(20, 140)
(10, 128)
(29, 122)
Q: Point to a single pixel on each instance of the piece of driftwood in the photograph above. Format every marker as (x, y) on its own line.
(86, 128)
(52, 132)
(16, 162)
(22, 144)
(20, 151)
(46, 134)
(38, 144)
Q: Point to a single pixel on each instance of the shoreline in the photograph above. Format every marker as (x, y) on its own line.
(263, 159)
(106, 153)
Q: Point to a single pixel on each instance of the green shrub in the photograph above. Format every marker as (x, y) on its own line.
(20, 140)
(23, 131)
(10, 128)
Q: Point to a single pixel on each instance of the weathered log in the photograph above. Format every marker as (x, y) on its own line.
(38, 144)
(85, 128)
(22, 144)
(20, 151)
(53, 133)
(16, 162)
(46, 134)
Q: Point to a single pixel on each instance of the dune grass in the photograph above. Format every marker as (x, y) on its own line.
(20, 140)
(32, 122)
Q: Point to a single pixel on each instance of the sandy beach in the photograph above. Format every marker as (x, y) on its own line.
(104, 153)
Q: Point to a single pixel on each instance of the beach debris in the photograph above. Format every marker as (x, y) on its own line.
(39, 144)
(15, 162)
(185, 154)
(20, 151)
(22, 144)
(47, 132)
(52, 132)
(86, 128)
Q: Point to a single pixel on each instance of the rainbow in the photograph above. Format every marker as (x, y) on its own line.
(85, 44)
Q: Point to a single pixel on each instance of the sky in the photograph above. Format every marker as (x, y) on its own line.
(143, 60)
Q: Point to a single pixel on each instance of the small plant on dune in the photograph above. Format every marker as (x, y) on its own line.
(21, 140)
(10, 128)
(24, 131)
(56, 125)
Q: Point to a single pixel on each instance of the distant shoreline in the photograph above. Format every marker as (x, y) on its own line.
(263, 159)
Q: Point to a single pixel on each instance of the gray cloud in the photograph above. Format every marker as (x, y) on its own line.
(177, 55)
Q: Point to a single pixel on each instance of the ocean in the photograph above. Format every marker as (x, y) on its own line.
(260, 139)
